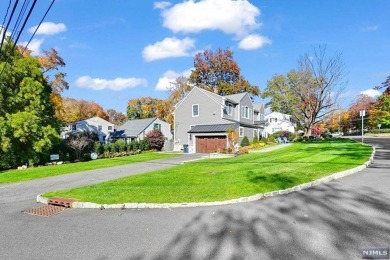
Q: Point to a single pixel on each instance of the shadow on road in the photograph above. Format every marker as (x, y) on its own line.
(310, 223)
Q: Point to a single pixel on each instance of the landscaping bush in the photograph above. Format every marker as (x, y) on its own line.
(156, 139)
(263, 140)
(97, 147)
(243, 150)
(255, 140)
(120, 146)
(379, 131)
(256, 145)
(245, 141)
(286, 134)
(271, 140)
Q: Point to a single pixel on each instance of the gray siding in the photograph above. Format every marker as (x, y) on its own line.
(165, 129)
(210, 112)
(248, 132)
(246, 101)
(234, 111)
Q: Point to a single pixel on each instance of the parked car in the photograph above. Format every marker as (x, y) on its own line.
(337, 134)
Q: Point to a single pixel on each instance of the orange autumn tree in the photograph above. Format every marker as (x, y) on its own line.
(76, 110)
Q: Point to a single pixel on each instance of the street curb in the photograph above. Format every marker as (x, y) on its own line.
(326, 179)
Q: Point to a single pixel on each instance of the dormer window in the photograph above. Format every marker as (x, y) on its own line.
(195, 110)
(230, 109)
(245, 111)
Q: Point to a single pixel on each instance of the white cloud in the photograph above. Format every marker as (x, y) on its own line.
(370, 28)
(49, 28)
(229, 16)
(169, 47)
(165, 82)
(34, 46)
(161, 5)
(253, 41)
(371, 93)
(113, 84)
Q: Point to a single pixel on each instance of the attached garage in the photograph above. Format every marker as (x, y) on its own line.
(209, 138)
(209, 144)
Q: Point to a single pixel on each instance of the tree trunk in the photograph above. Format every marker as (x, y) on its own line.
(307, 131)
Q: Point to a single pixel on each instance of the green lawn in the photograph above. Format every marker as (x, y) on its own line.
(47, 171)
(223, 179)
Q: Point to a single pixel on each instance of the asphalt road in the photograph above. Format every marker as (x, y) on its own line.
(334, 221)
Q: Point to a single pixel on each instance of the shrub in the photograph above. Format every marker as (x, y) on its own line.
(156, 139)
(120, 146)
(255, 140)
(256, 145)
(263, 140)
(271, 139)
(245, 141)
(135, 145)
(97, 147)
(243, 150)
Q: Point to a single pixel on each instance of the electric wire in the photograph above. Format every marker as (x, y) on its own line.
(36, 29)
(8, 23)
(20, 32)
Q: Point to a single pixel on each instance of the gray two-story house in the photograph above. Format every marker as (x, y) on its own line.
(202, 118)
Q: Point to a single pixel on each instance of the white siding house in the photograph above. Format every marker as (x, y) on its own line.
(276, 122)
(95, 124)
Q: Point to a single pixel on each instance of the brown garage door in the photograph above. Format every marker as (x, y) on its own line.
(209, 144)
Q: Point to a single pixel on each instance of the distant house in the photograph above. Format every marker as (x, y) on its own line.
(137, 129)
(95, 124)
(276, 122)
(202, 118)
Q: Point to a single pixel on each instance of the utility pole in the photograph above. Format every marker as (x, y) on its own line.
(362, 114)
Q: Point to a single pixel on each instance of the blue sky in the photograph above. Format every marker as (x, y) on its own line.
(120, 49)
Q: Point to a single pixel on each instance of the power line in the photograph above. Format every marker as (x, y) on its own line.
(19, 18)
(20, 32)
(9, 21)
(36, 29)
(6, 14)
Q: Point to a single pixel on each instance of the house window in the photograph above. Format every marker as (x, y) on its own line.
(230, 109)
(157, 126)
(74, 127)
(195, 110)
(110, 128)
(241, 131)
(250, 114)
(100, 128)
(245, 112)
(273, 120)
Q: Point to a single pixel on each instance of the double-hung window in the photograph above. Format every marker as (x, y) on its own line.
(157, 126)
(195, 110)
(241, 129)
(230, 109)
(245, 112)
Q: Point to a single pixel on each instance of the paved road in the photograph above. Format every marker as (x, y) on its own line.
(333, 221)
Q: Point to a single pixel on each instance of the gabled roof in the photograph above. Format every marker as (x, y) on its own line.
(133, 128)
(216, 98)
(258, 107)
(236, 97)
(220, 128)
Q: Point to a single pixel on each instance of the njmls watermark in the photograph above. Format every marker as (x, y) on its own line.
(375, 253)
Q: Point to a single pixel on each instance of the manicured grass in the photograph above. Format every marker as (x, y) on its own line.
(223, 179)
(47, 171)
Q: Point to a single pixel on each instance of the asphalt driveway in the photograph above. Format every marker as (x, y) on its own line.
(334, 221)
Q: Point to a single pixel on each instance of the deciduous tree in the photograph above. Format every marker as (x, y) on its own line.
(28, 126)
(115, 117)
(218, 72)
(310, 92)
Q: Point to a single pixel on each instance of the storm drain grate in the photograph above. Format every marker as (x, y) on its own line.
(45, 211)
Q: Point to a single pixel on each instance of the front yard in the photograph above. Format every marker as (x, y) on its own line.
(53, 170)
(223, 179)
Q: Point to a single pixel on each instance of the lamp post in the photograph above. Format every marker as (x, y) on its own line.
(362, 114)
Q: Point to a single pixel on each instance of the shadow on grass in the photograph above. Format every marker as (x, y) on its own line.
(321, 223)
(282, 181)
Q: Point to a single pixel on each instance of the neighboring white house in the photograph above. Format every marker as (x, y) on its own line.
(137, 129)
(275, 122)
(95, 124)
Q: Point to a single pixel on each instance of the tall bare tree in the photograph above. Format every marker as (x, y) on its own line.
(310, 92)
